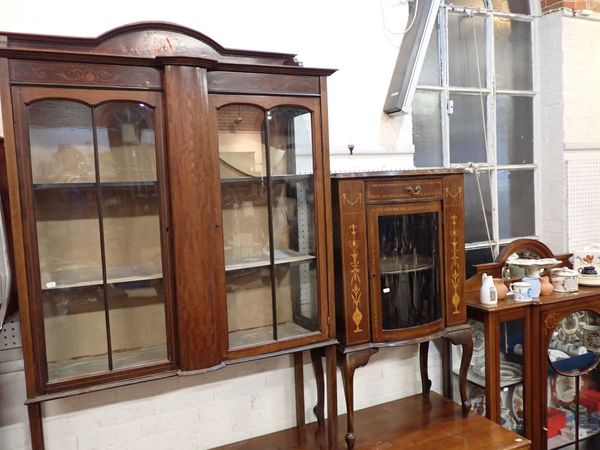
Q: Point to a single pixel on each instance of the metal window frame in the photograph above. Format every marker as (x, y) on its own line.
(491, 93)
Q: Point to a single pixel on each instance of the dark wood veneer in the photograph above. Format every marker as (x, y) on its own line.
(249, 83)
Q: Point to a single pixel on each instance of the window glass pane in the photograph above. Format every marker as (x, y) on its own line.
(475, 230)
(512, 54)
(467, 126)
(514, 129)
(477, 256)
(468, 3)
(466, 47)
(513, 6)
(427, 129)
(516, 206)
(430, 73)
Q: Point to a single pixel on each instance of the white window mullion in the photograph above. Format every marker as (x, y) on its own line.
(445, 94)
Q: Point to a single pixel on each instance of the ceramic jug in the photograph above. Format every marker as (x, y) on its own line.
(501, 288)
(546, 287)
(488, 295)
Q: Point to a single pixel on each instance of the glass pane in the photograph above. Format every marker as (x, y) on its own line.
(466, 47)
(476, 213)
(512, 6)
(574, 349)
(249, 306)
(71, 278)
(131, 225)
(427, 129)
(512, 40)
(512, 388)
(297, 307)
(290, 141)
(469, 3)
(514, 129)
(476, 372)
(409, 269)
(477, 256)
(467, 128)
(136, 298)
(242, 141)
(125, 133)
(516, 203)
(75, 331)
(430, 72)
(61, 142)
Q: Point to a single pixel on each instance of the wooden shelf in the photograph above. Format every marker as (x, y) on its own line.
(286, 256)
(418, 422)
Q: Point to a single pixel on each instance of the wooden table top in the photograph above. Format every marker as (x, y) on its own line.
(415, 422)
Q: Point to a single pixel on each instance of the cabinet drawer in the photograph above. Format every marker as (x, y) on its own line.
(404, 190)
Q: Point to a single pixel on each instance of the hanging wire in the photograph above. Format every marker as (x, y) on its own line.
(398, 33)
(493, 249)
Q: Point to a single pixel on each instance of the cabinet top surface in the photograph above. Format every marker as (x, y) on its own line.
(153, 44)
(398, 173)
(584, 293)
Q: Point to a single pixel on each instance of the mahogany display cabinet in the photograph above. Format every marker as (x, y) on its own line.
(168, 209)
(534, 366)
(399, 254)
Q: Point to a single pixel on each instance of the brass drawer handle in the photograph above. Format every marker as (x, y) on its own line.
(416, 191)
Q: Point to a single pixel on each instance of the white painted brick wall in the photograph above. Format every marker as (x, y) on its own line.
(202, 411)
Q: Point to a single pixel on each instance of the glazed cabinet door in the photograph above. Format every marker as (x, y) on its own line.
(405, 246)
(572, 413)
(272, 212)
(93, 185)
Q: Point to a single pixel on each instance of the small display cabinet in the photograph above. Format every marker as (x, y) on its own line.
(168, 209)
(534, 367)
(399, 251)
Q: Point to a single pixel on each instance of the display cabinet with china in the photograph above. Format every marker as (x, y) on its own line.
(520, 342)
(152, 163)
(399, 244)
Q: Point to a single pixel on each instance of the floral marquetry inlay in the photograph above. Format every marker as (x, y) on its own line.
(455, 272)
(355, 288)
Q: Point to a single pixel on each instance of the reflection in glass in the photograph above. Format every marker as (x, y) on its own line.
(268, 223)
(475, 229)
(249, 307)
(512, 6)
(466, 47)
(574, 347)
(516, 203)
(514, 129)
(512, 53)
(409, 269)
(467, 128)
(297, 307)
(427, 129)
(61, 142)
(511, 392)
(125, 134)
(290, 140)
(242, 141)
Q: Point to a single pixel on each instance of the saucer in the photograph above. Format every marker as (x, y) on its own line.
(588, 280)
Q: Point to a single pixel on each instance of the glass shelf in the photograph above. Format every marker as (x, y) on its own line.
(112, 184)
(274, 178)
(88, 276)
(263, 260)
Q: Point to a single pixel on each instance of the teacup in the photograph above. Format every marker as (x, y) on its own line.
(591, 338)
(522, 291)
(588, 270)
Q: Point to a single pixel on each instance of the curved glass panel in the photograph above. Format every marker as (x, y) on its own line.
(574, 347)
